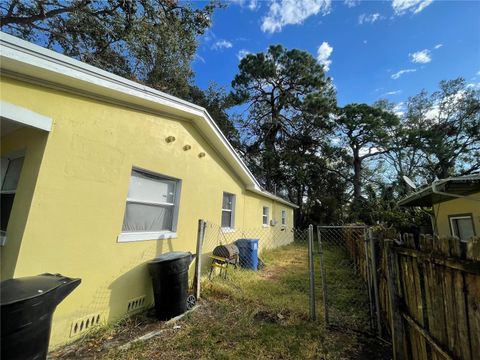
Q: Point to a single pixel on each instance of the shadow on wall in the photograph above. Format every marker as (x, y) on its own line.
(33, 143)
(132, 290)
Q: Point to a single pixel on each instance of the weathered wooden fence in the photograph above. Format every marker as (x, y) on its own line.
(429, 294)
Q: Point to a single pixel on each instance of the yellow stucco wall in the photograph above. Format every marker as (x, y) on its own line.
(71, 197)
(470, 205)
(31, 143)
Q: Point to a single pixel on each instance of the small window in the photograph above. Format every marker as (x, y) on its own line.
(10, 174)
(228, 211)
(284, 217)
(265, 215)
(462, 227)
(152, 207)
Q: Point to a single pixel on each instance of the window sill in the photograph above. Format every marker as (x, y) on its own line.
(141, 236)
(265, 225)
(3, 239)
(227, 230)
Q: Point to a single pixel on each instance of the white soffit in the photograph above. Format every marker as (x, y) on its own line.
(24, 116)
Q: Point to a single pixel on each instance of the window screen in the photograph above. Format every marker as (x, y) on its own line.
(462, 227)
(151, 203)
(265, 215)
(10, 174)
(284, 217)
(228, 209)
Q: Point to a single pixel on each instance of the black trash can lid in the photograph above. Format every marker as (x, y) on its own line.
(174, 255)
(24, 288)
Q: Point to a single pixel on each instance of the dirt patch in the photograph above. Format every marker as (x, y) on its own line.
(265, 316)
(273, 274)
(99, 343)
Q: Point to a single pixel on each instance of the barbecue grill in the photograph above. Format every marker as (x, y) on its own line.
(222, 257)
(229, 252)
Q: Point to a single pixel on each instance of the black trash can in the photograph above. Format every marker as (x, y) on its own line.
(27, 305)
(169, 274)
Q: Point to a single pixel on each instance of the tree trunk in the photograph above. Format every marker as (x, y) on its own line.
(268, 162)
(445, 169)
(269, 158)
(357, 175)
(299, 211)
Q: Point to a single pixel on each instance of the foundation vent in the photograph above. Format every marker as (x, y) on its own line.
(85, 323)
(136, 303)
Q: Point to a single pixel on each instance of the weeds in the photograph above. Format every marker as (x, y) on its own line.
(250, 315)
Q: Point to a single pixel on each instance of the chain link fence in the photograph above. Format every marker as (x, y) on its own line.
(246, 248)
(329, 267)
(344, 271)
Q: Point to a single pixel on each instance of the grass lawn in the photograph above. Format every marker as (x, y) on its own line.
(261, 315)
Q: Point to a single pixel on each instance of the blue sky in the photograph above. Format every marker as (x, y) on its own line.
(366, 44)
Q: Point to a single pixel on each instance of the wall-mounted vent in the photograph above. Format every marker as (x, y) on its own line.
(136, 303)
(85, 323)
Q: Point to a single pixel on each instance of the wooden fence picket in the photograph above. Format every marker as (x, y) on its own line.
(429, 295)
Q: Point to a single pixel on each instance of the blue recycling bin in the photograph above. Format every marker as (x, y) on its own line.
(248, 249)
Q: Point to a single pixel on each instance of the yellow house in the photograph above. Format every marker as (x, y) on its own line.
(101, 174)
(455, 202)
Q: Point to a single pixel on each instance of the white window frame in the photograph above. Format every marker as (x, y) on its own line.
(265, 217)
(129, 236)
(460, 217)
(9, 158)
(284, 218)
(230, 228)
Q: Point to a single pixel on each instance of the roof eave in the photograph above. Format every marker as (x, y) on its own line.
(40, 64)
(415, 197)
(438, 191)
(262, 192)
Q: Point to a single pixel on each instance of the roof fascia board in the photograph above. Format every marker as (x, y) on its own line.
(271, 196)
(434, 189)
(40, 63)
(58, 63)
(135, 107)
(415, 196)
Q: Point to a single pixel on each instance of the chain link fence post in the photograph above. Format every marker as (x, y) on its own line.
(313, 313)
(375, 281)
(369, 275)
(198, 258)
(324, 280)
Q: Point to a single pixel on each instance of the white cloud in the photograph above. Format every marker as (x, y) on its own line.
(436, 110)
(200, 58)
(222, 44)
(209, 36)
(351, 3)
(401, 72)
(474, 86)
(399, 109)
(438, 46)
(372, 150)
(323, 55)
(369, 18)
(421, 57)
(242, 53)
(286, 12)
(401, 7)
(250, 4)
(390, 93)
